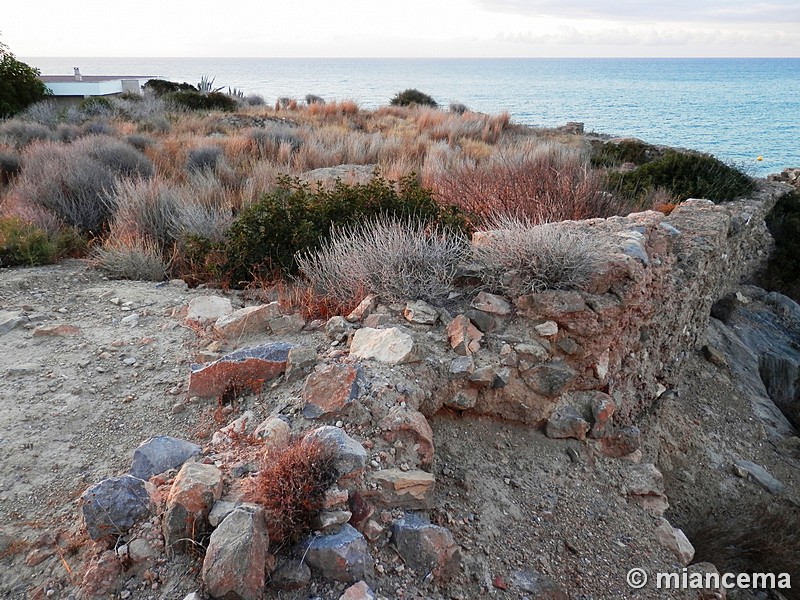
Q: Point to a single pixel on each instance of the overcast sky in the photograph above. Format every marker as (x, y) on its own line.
(403, 28)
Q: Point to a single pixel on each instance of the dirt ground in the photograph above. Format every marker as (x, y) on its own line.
(76, 404)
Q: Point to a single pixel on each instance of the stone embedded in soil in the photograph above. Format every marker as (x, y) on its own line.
(621, 442)
(159, 454)
(11, 319)
(464, 337)
(331, 389)
(56, 331)
(300, 360)
(101, 577)
(114, 505)
(485, 322)
(743, 468)
(602, 407)
(565, 423)
(483, 377)
(541, 586)
(291, 575)
(205, 310)
(358, 591)
(674, 540)
(342, 556)
(274, 434)
(337, 328)
(492, 303)
(284, 325)
(547, 329)
(463, 399)
(644, 485)
(549, 379)
(234, 564)
(349, 456)
(403, 421)
(248, 368)
(329, 520)
(461, 367)
(242, 425)
(392, 346)
(247, 321)
(420, 312)
(411, 490)
(426, 547)
(195, 490)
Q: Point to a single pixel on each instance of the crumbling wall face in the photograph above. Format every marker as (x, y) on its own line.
(629, 333)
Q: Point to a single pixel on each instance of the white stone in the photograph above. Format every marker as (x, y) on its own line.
(547, 328)
(675, 541)
(391, 345)
(208, 309)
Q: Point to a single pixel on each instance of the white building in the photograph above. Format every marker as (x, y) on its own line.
(71, 89)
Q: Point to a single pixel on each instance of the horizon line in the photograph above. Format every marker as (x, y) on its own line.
(436, 57)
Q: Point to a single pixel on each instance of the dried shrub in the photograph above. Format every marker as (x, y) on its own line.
(20, 134)
(120, 158)
(516, 257)
(131, 257)
(98, 127)
(10, 167)
(144, 207)
(398, 259)
(140, 142)
(291, 487)
(203, 158)
(313, 99)
(68, 182)
(458, 108)
(67, 133)
(541, 181)
(254, 100)
(45, 113)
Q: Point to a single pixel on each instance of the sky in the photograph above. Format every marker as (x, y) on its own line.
(404, 28)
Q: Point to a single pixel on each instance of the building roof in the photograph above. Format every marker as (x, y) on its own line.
(88, 78)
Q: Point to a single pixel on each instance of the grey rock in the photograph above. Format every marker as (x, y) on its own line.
(337, 328)
(159, 454)
(426, 547)
(114, 505)
(483, 377)
(392, 345)
(540, 585)
(462, 366)
(485, 322)
(291, 575)
(463, 399)
(350, 455)
(549, 379)
(564, 423)
(492, 303)
(760, 475)
(342, 556)
(420, 312)
(10, 320)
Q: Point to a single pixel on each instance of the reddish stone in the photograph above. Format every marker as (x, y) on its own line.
(412, 490)
(564, 423)
(404, 420)
(464, 337)
(101, 578)
(364, 309)
(358, 591)
(248, 320)
(56, 331)
(603, 408)
(249, 368)
(621, 443)
(330, 389)
(195, 490)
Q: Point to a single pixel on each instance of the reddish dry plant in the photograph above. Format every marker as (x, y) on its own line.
(291, 487)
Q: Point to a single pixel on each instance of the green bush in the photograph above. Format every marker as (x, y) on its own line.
(614, 154)
(684, 175)
(20, 85)
(24, 244)
(265, 237)
(412, 96)
(162, 87)
(196, 101)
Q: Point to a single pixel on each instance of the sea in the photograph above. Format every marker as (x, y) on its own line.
(745, 111)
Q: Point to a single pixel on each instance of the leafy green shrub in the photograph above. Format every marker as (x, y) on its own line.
(196, 101)
(413, 96)
(782, 273)
(398, 259)
(162, 87)
(24, 244)
(20, 85)
(614, 154)
(684, 175)
(265, 237)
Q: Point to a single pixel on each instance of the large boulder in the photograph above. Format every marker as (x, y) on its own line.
(426, 547)
(392, 345)
(159, 454)
(234, 567)
(342, 556)
(350, 457)
(331, 389)
(248, 368)
(195, 490)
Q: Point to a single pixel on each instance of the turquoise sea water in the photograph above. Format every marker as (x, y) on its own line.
(736, 109)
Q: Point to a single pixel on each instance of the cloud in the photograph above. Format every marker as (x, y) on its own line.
(713, 11)
(628, 36)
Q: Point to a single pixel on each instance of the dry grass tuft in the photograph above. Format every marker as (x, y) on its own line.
(291, 487)
(517, 257)
(132, 257)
